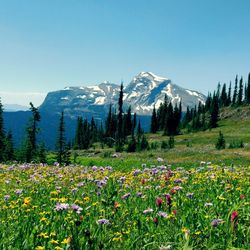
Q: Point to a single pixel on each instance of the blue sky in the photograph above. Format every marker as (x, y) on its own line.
(47, 45)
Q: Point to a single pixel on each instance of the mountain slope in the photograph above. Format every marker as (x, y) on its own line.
(143, 92)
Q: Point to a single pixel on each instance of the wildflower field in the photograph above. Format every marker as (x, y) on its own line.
(154, 207)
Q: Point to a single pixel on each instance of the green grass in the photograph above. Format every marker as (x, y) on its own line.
(190, 149)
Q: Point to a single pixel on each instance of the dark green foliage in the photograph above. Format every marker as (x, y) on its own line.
(168, 144)
(240, 93)
(248, 90)
(30, 145)
(220, 144)
(132, 145)
(139, 130)
(223, 97)
(236, 144)
(41, 153)
(119, 134)
(134, 124)
(235, 94)
(2, 134)
(61, 146)
(229, 95)
(128, 124)
(154, 125)
(214, 112)
(171, 142)
(142, 143)
(9, 148)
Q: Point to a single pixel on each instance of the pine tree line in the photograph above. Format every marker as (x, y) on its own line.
(167, 118)
(206, 116)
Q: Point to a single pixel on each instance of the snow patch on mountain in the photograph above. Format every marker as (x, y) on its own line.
(145, 91)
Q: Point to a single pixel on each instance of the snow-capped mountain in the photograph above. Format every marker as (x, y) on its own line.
(142, 93)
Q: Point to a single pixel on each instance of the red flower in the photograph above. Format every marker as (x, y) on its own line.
(175, 212)
(234, 216)
(143, 181)
(116, 205)
(156, 221)
(242, 196)
(158, 202)
(169, 201)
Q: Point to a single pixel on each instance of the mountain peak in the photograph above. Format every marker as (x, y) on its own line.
(151, 76)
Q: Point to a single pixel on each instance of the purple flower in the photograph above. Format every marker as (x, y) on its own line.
(122, 179)
(61, 206)
(137, 172)
(126, 196)
(139, 194)
(178, 181)
(80, 184)
(74, 190)
(94, 168)
(216, 222)
(162, 214)
(6, 197)
(19, 191)
(103, 222)
(76, 208)
(190, 195)
(147, 211)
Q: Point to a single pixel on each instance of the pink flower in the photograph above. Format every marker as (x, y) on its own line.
(234, 216)
(158, 202)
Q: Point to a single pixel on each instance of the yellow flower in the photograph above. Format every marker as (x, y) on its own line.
(86, 199)
(43, 235)
(198, 232)
(54, 242)
(40, 248)
(221, 198)
(66, 241)
(117, 239)
(26, 201)
(53, 193)
(63, 199)
(43, 219)
(58, 248)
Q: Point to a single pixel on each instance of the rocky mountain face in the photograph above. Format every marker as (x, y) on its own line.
(142, 93)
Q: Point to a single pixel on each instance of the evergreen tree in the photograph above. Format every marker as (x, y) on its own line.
(108, 122)
(62, 150)
(240, 93)
(132, 145)
(79, 134)
(248, 89)
(229, 94)
(235, 94)
(223, 96)
(220, 144)
(154, 125)
(120, 136)
(139, 130)
(214, 113)
(60, 144)
(127, 123)
(30, 151)
(42, 153)
(9, 148)
(208, 102)
(2, 134)
(134, 124)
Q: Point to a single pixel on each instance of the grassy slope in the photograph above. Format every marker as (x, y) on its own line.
(201, 147)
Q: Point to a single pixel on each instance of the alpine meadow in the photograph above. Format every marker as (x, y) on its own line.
(136, 161)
